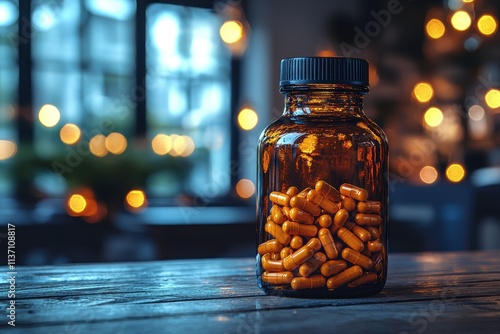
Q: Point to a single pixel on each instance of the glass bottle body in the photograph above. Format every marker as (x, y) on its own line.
(323, 137)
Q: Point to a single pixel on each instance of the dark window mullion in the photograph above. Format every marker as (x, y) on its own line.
(140, 69)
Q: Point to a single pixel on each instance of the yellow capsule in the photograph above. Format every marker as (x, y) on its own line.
(354, 257)
(304, 192)
(374, 246)
(332, 267)
(323, 202)
(296, 242)
(285, 252)
(350, 239)
(374, 232)
(301, 216)
(311, 265)
(304, 204)
(344, 277)
(279, 198)
(366, 278)
(348, 203)
(328, 243)
(377, 262)
(314, 244)
(270, 246)
(277, 232)
(286, 211)
(358, 231)
(369, 207)
(271, 265)
(367, 219)
(295, 228)
(339, 220)
(284, 277)
(352, 191)
(298, 257)
(277, 215)
(313, 282)
(327, 190)
(324, 220)
(292, 191)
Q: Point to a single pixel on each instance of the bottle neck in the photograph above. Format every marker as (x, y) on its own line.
(323, 100)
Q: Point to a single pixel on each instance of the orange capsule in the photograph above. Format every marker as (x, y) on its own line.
(311, 265)
(298, 257)
(366, 278)
(348, 203)
(357, 258)
(352, 191)
(270, 246)
(367, 219)
(374, 246)
(374, 232)
(277, 232)
(286, 211)
(295, 228)
(358, 231)
(301, 216)
(328, 243)
(277, 215)
(285, 252)
(271, 265)
(313, 282)
(324, 220)
(327, 190)
(323, 202)
(344, 277)
(284, 277)
(275, 256)
(369, 207)
(296, 242)
(279, 198)
(350, 239)
(339, 220)
(314, 244)
(292, 191)
(304, 192)
(332, 267)
(304, 204)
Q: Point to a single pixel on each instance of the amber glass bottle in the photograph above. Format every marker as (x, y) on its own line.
(322, 201)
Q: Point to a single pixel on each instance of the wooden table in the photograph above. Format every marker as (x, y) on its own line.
(425, 293)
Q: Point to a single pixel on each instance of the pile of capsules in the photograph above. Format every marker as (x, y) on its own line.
(316, 243)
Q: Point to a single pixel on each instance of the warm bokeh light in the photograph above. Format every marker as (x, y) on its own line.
(476, 113)
(8, 149)
(161, 144)
(428, 174)
(70, 134)
(245, 188)
(492, 98)
(487, 25)
(116, 143)
(461, 20)
(247, 119)
(136, 199)
(231, 31)
(179, 145)
(455, 172)
(77, 204)
(467, 1)
(189, 146)
(97, 146)
(329, 53)
(433, 117)
(423, 91)
(49, 115)
(435, 28)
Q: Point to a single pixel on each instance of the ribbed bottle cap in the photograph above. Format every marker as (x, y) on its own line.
(327, 70)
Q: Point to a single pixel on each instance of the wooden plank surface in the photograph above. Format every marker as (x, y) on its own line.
(426, 292)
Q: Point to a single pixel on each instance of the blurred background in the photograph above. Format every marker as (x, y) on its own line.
(128, 129)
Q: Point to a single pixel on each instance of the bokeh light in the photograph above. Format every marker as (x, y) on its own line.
(245, 188)
(189, 146)
(76, 204)
(476, 113)
(455, 172)
(247, 119)
(492, 98)
(435, 28)
(461, 20)
(423, 92)
(231, 31)
(70, 134)
(428, 174)
(487, 25)
(8, 149)
(49, 115)
(97, 146)
(136, 199)
(433, 117)
(116, 143)
(161, 144)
